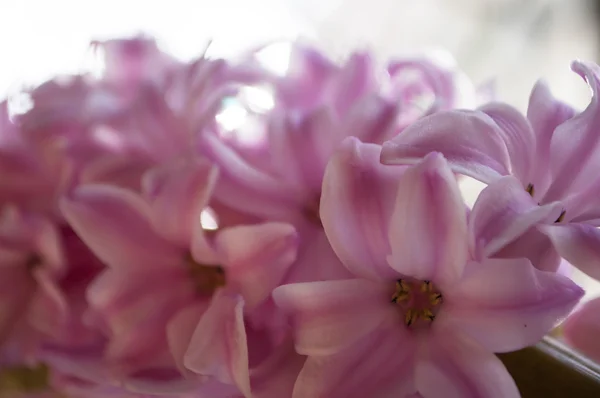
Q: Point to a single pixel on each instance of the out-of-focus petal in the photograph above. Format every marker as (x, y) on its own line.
(506, 305)
(356, 203)
(372, 119)
(330, 316)
(575, 143)
(177, 193)
(451, 366)
(579, 244)
(470, 140)
(256, 258)
(180, 330)
(115, 224)
(276, 376)
(354, 80)
(582, 328)
(302, 145)
(428, 229)
(263, 195)
(518, 137)
(218, 347)
(503, 212)
(380, 364)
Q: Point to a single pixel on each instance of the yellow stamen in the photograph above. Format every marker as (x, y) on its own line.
(400, 296)
(427, 314)
(411, 316)
(435, 299)
(426, 286)
(530, 190)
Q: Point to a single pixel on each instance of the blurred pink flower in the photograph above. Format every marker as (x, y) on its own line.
(174, 301)
(419, 315)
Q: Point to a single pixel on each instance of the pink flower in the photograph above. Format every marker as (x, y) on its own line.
(31, 264)
(418, 315)
(175, 302)
(553, 154)
(582, 327)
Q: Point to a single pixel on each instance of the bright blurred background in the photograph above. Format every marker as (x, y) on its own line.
(513, 41)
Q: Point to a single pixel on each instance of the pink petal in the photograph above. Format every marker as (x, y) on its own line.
(372, 119)
(49, 309)
(575, 142)
(356, 203)
(330, 316)
(256, 258)
(115, 224)
(534, 246)
(581, 329)
(545, 114)
(470, 140)
(263, 194)
(218, 346)
(451, 366)
(506, 305)
(579, 244)
(276, 376)
(518, 137)
(380, 364)
(354, 80)
(428, 231)
(180, 330)
(301, 146)
(504, 211)
(177, 193)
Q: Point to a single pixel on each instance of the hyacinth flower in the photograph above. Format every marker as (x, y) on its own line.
(552, 153)
(178, 305)
(418, 315)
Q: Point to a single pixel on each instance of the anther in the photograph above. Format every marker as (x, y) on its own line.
(435, 298)
(530, 190)
(426, 286)
(561, 217)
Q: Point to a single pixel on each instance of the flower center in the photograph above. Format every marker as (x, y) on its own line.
(206, 278)
(419, 301)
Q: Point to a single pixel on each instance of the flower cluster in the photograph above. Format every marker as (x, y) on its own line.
(147, 248)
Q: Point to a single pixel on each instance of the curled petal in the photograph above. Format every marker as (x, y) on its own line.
(506, 305)
(256, 258)
(428, 229)
(330, 316)
(517, 135)
(574, 144)
(471, 142)
(581, 329)
(504, 211)
(579, 244)
(218, 347)
(545, 114)
(115, 224)
(177, 193)
(451, 366)
(380, 364)
(356, 203)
